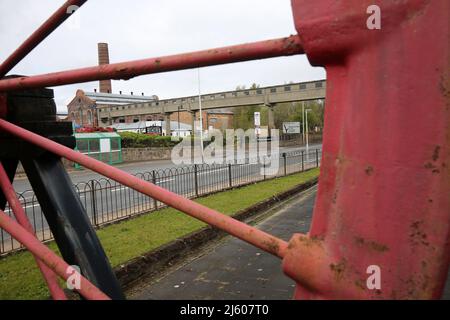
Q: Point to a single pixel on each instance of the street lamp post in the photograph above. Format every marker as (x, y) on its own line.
(307, 135)
(201, 115)
(303, 121)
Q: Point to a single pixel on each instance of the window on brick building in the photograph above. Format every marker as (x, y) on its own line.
(89, 117)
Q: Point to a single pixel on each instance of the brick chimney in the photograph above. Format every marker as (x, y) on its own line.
(103, 58)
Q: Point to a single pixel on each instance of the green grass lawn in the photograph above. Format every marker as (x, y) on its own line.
(20, 278)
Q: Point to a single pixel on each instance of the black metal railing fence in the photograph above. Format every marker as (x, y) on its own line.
(107, 201)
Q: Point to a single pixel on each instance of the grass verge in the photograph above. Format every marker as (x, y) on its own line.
(21, 279)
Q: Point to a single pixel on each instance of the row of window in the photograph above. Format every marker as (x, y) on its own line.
(122, 119)
(213, 97)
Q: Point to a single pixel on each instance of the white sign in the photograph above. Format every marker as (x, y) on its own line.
(105, 145)
(257, 119)
(291, 127)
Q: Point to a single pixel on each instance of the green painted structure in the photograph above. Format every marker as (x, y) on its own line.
(103, 146)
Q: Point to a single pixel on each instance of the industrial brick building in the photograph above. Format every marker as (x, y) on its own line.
(84, 108)
(105, 108)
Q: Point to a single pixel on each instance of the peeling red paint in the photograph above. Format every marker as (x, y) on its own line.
(384, 185)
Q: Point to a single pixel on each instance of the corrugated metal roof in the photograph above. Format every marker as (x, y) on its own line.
(118, 99)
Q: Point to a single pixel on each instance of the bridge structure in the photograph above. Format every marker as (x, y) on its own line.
(268, 96)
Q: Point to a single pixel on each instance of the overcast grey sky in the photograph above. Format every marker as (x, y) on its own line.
(138, 29)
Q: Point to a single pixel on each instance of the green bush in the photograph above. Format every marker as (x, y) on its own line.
(139, 140)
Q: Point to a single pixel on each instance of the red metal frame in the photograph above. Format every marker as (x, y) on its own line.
(39, 35)
(21, 217)
(55, 263)
(126, 70)
(234, 227)
(384, 191)
(376, 79)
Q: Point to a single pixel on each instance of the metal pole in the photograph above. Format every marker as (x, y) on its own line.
(201, 113)
(51, 259)
(264, 167)
(10, 166)
(230, 176)
(258, 238)
(303, 162)
(55, 20)
(94, 204)
(317, 158)
(196, 179)
(127, 70)
(155, 202)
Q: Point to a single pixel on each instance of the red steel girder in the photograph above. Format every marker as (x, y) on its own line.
(53, 261)
(232, 226)
(383, 199)
(21, 217)
(39, 35)
(126, 70)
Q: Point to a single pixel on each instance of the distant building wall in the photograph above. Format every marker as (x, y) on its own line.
(82, 110)
(146, 154)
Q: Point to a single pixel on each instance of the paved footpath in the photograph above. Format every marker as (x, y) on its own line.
(235, 270)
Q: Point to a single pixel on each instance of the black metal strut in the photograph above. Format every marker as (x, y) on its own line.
(35, 110)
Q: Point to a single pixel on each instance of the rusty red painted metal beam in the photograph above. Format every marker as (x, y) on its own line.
(384, 194)
(125, 70)
(53, 261)
(232, 226)
(14, 203)
(55, 20)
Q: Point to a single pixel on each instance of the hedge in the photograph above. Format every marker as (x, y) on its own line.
(139, 140)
